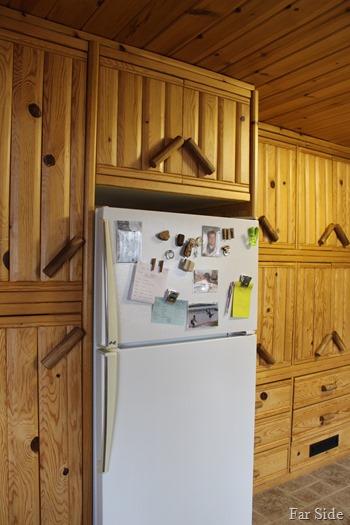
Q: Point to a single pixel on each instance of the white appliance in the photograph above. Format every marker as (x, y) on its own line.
(174, 382)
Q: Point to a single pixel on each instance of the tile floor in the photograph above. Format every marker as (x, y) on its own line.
(327, 488)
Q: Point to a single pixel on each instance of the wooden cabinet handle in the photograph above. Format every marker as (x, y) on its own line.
(256, 474)
(257, 440)
(258, 404)
(326, 419)
(326, 233)
(63, 347)
(265, 355)
(174, 145)
(64, 255)
(198, 154)
(322, 346)
(328, 388)
(340, 233)
(268, 230)
(338, 341)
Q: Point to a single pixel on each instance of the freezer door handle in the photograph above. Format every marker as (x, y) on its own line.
(110, 372)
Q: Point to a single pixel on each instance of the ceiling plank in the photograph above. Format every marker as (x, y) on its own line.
(72, 14)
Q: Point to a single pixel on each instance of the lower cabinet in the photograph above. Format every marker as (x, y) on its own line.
(40, 422)
(300, 424)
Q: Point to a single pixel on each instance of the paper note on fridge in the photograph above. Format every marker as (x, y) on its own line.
(164, 312)
(147, 283)
(241, 300)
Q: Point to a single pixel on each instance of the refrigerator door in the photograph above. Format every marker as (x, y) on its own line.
(139, 321)
(183, 439)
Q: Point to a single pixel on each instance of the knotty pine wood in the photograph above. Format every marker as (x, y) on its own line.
(313, 388)
(272, 432)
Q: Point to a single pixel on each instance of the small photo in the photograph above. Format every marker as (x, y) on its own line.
(202, 315)
(205, 281)
(211, 240)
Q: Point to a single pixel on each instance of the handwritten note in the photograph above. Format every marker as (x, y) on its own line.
(148, 284)
(169, 313)
(241, 300)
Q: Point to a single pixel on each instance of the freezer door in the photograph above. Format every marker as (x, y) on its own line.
(139, 321)
(183, 440)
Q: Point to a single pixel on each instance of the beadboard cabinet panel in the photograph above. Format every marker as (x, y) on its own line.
(43, 106)
(276, 304)
(141, 110)
(40, 426)
(315, 197)
(276, 195)
(341, 193)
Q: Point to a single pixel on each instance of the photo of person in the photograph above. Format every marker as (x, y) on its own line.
(210, 241)
(205, 281)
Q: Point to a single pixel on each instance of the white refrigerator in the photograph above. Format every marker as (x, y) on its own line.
(175, 313)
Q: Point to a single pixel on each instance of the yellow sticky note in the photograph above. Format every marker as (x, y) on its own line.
(241, 300)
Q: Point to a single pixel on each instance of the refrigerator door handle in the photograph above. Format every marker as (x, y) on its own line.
(111, 294)
(110, 372)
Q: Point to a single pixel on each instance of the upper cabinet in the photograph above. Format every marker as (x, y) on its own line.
(42, 108)
(167, 128)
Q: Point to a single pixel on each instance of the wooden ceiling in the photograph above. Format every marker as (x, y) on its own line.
(296, 53)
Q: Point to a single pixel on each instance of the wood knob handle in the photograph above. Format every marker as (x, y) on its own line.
(326, 233)
(60, 350)
(64, 255)
(326, 418)
(198, 154)
(328, 388)
(256, 474)
(322, 346)
(259, 404)
(173, 145)
(265, 355)
(257, 440)
(338, 341)
(340, 233)
(268, 230)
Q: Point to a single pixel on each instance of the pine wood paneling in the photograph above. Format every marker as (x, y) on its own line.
(315, 197)
(174, 124)
(276, 312)
(4, 445)
(276, 195)
(153, 120)
(56, 142)
(6, 59)
(341, 303)
(22, 412)
(190, 128)
(208, 129)
(129, 120)
(107, 116)
(25, 202)
(341, 193)
(227, 112)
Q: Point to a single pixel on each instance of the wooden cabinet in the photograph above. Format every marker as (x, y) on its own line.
(276, 303)
(145, 105)
(272, 431)
(276, 195)
(42, 159)
(40, 423)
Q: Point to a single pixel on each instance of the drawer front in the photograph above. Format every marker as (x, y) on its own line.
(316, 417)
(317, 448)
(272, 430)
(320, 387)
(271, 464)
(273, 398)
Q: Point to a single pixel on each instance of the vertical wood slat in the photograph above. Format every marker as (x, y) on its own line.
(24, 500)
(173, 125)
(341, 192)
(341, 303)
(25, 165)
(315, 197)
(153, 121)
(276, 194)
(6, 63)
(60, 402)
(129, 120)
(4, 459)
(226, 165)
(242, 171)
(107, 116)
(276, 311)
(190, 128)
(56, 141)
(77, 170)
(208, 130)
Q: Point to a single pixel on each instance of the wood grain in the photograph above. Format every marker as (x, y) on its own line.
(4, 448)
(107, 116)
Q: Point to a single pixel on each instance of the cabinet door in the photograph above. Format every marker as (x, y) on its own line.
(142, 110)
(276, 190)
(42, 157)
(315, 200)
(40, 426)
(276, 312)
(313, 319)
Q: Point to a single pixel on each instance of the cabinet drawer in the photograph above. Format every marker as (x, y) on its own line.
(271, 464)
(273, 398)
(316, 448)
(329, 413)
(319, 387)
(272, 430)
